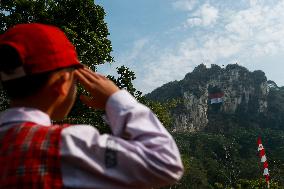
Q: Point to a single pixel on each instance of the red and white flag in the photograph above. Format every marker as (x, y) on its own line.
(216, 98)
(263, 160)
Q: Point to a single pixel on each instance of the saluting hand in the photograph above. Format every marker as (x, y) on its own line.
(97, 85)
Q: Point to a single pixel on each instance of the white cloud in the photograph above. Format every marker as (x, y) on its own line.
(253, 2)
(190, 22)
(130, 58)
(136, 50)
(186, 5)
(209, 14)
(259, 28)
(206, 15)
(252, 32)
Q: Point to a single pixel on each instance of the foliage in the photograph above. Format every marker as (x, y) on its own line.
(162, 110)
(256, 184)
(227, 159)
(171, 90)
(250, 184)
(124, 81)
(4, 102)
(275, 113)
(81, 20)
(194, 175)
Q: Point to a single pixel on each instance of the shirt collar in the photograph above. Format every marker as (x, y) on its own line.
(23, 114)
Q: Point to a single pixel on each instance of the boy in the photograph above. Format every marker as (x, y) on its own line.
(39, 69)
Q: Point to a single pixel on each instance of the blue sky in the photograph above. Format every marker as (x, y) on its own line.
(162, 40)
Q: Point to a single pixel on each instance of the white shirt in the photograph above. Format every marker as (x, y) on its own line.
(148, 157)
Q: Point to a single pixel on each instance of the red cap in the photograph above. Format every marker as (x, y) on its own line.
(41, 48)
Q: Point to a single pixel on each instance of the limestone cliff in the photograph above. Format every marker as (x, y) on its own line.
(242, 93)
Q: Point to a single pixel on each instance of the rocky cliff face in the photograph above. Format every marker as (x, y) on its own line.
(214, 91)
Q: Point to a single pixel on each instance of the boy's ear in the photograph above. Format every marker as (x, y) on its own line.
(60, 84)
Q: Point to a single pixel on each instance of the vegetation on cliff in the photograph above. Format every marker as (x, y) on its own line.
(223, 154)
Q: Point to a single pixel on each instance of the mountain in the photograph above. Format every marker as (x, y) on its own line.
(217, 117)
(247, 97)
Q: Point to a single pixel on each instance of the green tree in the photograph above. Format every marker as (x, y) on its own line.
(195, 176)
(256, 184)
(124, 81)
(81, 20)
(162, 110)
(4, 102)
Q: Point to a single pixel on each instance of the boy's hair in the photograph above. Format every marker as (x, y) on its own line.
(20, 87)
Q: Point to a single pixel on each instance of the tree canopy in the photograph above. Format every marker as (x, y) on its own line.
(81, 20)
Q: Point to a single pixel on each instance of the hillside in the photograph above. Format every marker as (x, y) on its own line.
(216, 122)
(245, 95)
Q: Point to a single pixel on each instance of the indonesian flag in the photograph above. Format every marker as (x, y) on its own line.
(263, 160)
(216, 98)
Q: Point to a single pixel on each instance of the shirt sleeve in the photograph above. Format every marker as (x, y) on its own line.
(139, 154)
